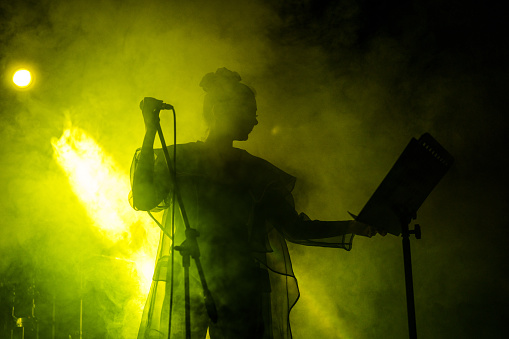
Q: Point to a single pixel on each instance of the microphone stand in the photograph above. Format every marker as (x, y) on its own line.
(189, 248)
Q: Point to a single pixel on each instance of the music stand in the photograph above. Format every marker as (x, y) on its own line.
(395, 202)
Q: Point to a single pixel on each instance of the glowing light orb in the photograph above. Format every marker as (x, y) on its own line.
(22, 78)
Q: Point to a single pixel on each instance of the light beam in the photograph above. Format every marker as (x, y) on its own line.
(102, 188)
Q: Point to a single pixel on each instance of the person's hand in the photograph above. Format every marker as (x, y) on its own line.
(359, 228)
(150, 108)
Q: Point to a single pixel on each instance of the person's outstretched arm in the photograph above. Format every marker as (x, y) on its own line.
(280, 210)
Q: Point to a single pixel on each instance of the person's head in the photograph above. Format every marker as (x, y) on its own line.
(229, 107)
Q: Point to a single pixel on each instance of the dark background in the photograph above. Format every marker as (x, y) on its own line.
(342, 86)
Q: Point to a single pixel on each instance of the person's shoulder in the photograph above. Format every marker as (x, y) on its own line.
(189, 156)
(188, 147)
(265, 171)
(254, 160)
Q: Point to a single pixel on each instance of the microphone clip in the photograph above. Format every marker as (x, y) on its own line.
(154, 104)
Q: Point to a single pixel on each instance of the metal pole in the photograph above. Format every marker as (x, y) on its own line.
(53, 320)
(407, 260)
(186, 262)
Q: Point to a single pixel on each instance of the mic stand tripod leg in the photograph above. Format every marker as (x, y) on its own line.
(187, 296)
(189, 248)
(186, 263)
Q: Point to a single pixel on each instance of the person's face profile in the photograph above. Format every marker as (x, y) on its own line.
(237, 118)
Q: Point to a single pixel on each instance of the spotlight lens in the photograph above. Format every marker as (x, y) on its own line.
(22, 78)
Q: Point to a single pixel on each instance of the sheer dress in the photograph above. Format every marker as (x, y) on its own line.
(244, 212)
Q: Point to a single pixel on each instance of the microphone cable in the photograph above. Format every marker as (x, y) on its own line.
(173, 218)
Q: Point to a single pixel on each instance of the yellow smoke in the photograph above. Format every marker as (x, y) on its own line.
(102, 188)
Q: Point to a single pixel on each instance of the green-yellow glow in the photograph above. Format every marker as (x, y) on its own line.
(22, 78)
(102, 188)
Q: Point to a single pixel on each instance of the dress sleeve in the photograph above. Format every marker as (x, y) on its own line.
(152, 171)
(279, 209)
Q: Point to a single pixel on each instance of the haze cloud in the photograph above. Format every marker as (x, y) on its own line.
(339, 93)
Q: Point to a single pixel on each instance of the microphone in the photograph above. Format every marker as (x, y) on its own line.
(157, 104)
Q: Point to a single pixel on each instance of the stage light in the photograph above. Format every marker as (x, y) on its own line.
(22, 78)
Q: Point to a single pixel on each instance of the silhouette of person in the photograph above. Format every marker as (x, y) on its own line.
(243, 209)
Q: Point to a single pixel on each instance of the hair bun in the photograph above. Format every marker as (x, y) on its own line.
(219, 80)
